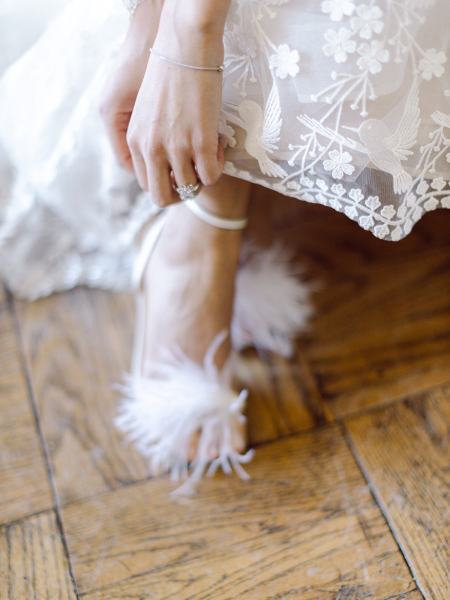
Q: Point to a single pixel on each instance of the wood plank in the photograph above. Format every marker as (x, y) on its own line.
(283, 396)
(404, 450)
(380, 332)
(383, 328)
(77, 346)
(32, 561)
(305, 526)
(24, 487)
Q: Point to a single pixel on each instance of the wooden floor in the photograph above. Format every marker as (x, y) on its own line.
(349, 497)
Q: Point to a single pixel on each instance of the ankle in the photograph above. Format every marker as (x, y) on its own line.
(227, 208)
(187, 238)
(228, 198)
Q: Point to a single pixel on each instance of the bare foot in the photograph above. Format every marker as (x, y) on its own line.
(193, 272)
(189, 284)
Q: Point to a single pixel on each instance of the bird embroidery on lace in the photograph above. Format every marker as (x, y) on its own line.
(263, 129)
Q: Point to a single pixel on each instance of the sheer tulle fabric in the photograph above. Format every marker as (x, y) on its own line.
(344, 103)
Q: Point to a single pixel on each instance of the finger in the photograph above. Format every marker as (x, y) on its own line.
(140, 169)
(160, 184)
(207, 163)
(183, 169)
(117, 127)
(221, 151)
(121, 150)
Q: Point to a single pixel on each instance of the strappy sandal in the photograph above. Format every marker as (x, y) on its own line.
(163, 413)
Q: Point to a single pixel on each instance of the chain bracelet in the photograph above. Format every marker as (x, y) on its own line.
(217, 68)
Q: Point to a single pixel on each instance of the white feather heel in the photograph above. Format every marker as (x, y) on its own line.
(163, 412)
(272, 304)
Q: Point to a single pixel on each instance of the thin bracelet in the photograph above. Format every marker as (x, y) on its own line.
(218, 68)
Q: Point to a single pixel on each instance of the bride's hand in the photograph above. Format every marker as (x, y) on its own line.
(119, 96)
(173, 132)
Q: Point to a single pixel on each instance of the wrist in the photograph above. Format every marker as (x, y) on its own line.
(204, 19)
(143, 27)
(183, 37)
(182, 45)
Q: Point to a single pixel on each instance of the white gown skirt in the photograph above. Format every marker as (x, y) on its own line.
(344, 103)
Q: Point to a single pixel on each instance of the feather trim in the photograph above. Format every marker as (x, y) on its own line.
(272, 305)
(161, 415)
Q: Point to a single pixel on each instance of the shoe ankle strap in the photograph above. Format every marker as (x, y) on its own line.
(214, 220)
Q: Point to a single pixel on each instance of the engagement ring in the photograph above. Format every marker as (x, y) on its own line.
(188, 192)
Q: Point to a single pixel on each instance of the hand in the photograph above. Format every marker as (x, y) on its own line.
(173, 132)
(120, 94)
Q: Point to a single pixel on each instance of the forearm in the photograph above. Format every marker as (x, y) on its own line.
(193, 25)
(144, 24)
(174, 123)
(200, 22)
(199, 16)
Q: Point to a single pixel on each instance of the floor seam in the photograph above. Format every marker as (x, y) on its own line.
(338, 422)
(43, 444)
(26, 517)
(380, 504)
(370, 410)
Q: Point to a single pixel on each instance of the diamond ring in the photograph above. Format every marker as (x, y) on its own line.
(188, 192)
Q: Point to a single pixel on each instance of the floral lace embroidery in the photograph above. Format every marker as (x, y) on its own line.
(363, 39)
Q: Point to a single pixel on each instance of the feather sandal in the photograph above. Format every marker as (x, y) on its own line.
(162, 413)
(272, 303)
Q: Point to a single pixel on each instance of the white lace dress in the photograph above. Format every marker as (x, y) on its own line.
(344, 103)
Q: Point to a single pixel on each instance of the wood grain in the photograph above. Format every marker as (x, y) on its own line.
(283, 397)
(32, 561)
(305, 526)
(380, 342)
(77, 346)
(405, 452)
(24, 488)
(382, 329)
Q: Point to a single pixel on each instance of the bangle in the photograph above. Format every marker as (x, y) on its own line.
(217, 68)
